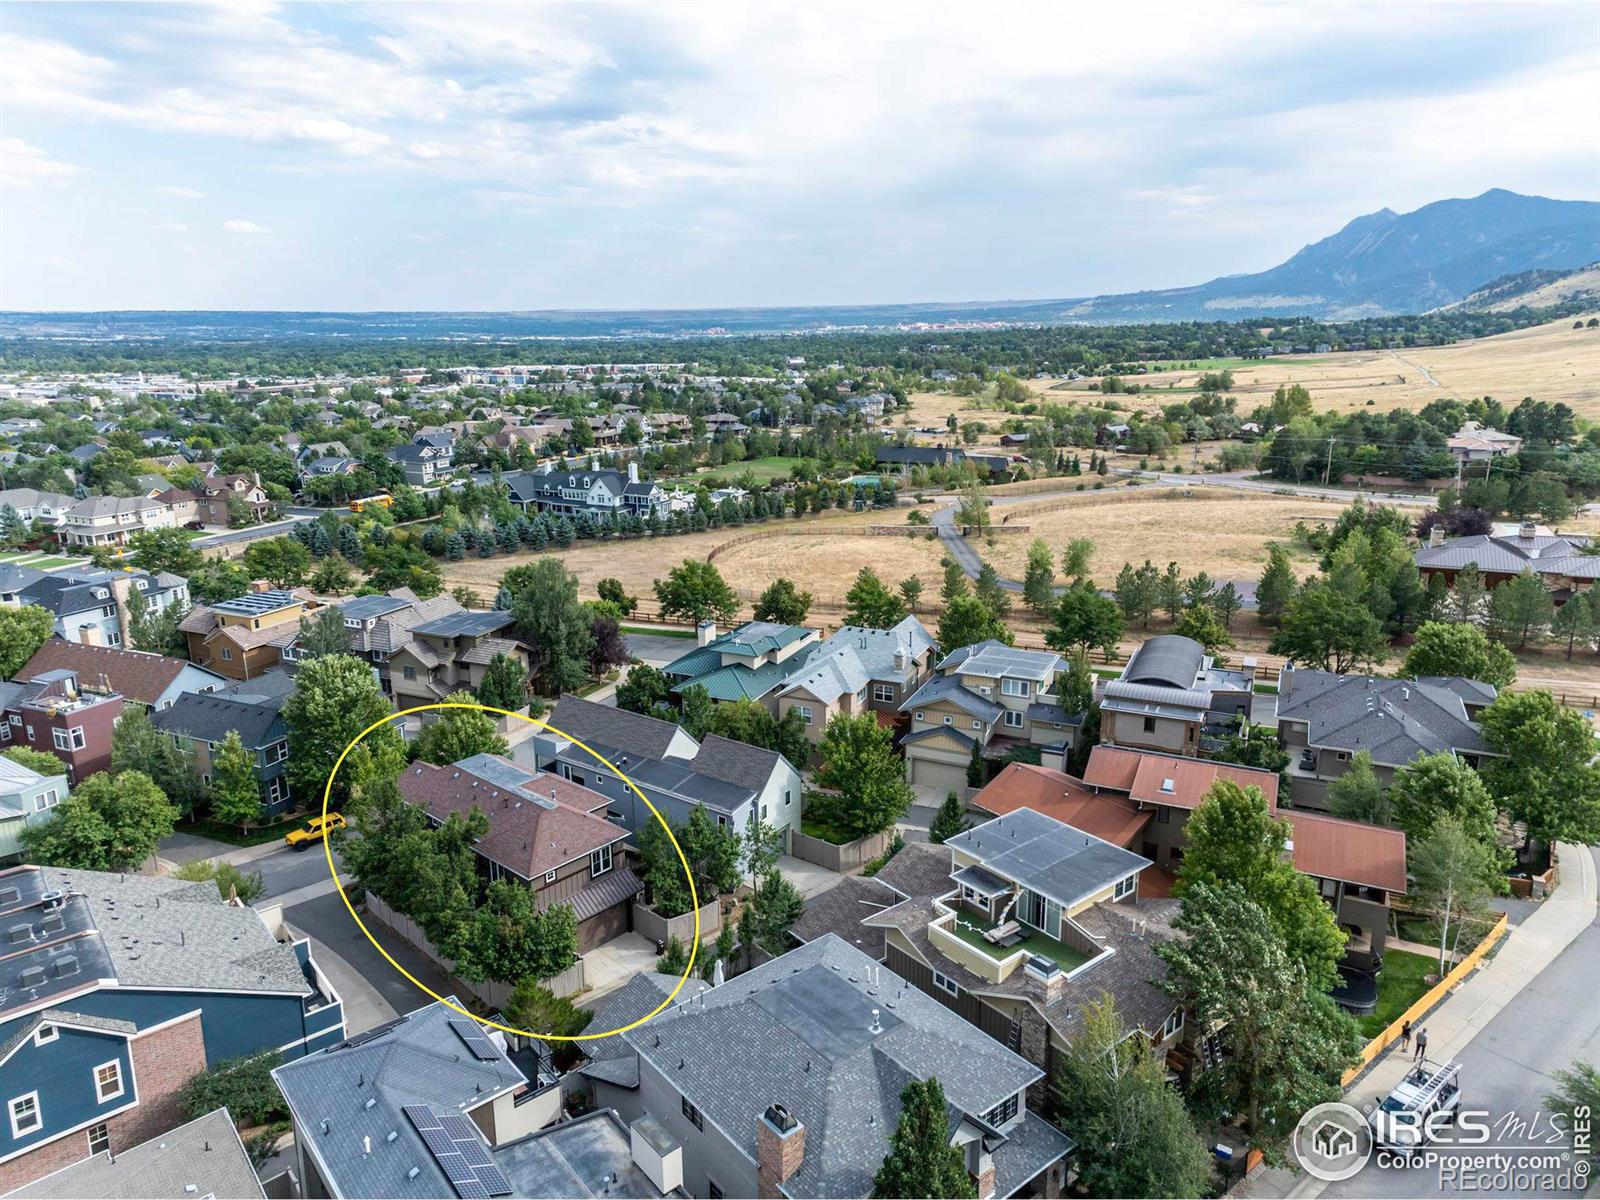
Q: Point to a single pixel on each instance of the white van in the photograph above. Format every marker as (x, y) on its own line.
(1429, 1095)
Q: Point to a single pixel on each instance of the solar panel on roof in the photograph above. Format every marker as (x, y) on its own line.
(459, 1149)
(469, 1032)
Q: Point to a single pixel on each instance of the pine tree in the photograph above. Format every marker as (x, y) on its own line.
(921, 1161)
(1277, 586)
(1038, 583)
(1574, 622)
(955, 582)
(951, 820)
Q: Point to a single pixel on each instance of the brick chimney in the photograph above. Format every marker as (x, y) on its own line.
(780, 1148)
(1436, 535)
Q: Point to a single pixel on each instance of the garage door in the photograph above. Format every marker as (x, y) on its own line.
(944, 776)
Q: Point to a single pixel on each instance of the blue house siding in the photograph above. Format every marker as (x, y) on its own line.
(62, 1072)
(625, 807)
(233, 1025)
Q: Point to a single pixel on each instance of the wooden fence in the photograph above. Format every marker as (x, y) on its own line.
(846, 858)
(493, 993)
(1433, 995)
(651, 924)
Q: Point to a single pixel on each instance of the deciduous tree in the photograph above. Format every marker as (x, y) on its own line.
(1456, 648)
(695, 591)
(22, 631)
(784, 603)
(859, 762)
(1542, 773)
(109, 823)
(335, 698)
(235, 792)
(555, 626)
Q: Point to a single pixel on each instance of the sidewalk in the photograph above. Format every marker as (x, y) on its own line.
(1527, 950)
(182, 848)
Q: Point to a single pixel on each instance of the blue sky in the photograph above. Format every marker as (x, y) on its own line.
(452, 156)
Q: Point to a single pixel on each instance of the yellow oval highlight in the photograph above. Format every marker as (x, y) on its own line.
(694, 896)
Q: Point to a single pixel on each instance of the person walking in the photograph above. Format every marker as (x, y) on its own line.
(1422, 1043)
(1405, 1037)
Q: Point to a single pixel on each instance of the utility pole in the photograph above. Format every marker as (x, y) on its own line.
(1328, 470)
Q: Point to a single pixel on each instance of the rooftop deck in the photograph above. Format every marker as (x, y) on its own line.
(970, 929)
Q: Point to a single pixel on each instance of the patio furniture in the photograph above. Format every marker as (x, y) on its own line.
(1000, 933)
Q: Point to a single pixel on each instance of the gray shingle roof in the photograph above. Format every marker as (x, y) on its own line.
(950, 688)
(590, 722)
(417, 1059)
(202, 1158)
(209, 718)
(736, 762)
(1557, 554)
(800, 1031)
(1395, 720)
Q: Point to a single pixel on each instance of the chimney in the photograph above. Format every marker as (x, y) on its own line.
(900, 659)
(633, 472)
(1436, 535)
(705, 632)
(780, 1148)
(1528, 531)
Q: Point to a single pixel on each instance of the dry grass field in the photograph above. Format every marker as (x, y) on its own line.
(1551, 362)
(826, 566)
(1224, 533)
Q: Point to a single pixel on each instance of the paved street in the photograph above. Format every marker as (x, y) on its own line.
(657, 651)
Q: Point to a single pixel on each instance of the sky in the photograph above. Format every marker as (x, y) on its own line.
(717, 154)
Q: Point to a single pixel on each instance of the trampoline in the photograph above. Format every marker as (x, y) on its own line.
(1357, 992)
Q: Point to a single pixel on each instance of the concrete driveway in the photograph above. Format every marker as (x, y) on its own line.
(608, 967)
(808, 877)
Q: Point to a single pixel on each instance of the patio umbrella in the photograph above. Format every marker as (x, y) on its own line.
(717, 977)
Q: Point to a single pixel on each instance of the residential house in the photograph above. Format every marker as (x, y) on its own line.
(733, 781)
(31, 504)
(858, 670)
(905, 459)
(1324, 720)
(112, 520)
(244, 637)
(918, 871)
(1142, 800)
(254, 710)
(124, 988)
(786, 1082)
(328, 465)
(428, 1105)
(424, 465)
(13, 579)
(545, 833)
(216, 498)
(92, 605)
(1561, 560)
(379, 625)
(55, 714)
(991, 696)
(751, 662)
(1477, 443)
(596, 492)
(203, 1158)
(723, 425)
(153, 680)
(26, 798)
(1168, 694)
(449, 653)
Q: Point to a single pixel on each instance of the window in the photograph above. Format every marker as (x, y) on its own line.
(948, 721)
(693, 1114)
(977, 724)
(45, 1034)
(99, 1138)
(45, 800)
(600, 861)
(1163, 815)
(883, 693)
(1014, 719)
(1013, 687)
(1173, 1024)
(1002, 1112)
(1149, 724)
(68, 739)
(108, 1081)
(1125, 887)
(917, 715)
(278, 751)
(945, 984)
(410, 672)
(805, 713)
(25, 1115)
(549, 876)
(227, 654)
(713, 1192)
(763, 812)
(788, 797)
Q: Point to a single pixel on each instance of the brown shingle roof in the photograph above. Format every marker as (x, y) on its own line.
(1021, 785)
(136, 675)
(524, 836)
(1145, 776)
(1332, 848)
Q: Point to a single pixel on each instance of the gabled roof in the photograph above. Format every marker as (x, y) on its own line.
(1351, 851)
(1060, 796)
(994, 659)
(1544, 554)
(1170, 779)
(208, 717)
(594, 723)
(1395, 720)
(201, 1158)
(137, 675)
(949, 688)
(736, 762)
(855, 656)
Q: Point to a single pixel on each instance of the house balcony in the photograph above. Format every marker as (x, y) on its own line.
(959, 934)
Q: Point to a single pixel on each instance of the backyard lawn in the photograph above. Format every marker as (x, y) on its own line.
(1399, 987)
(764, 470)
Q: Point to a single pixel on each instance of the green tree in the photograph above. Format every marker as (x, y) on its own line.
(109, 823)
(762, 847)
(22, 631)
(535, 1007)
(281, 561)
(1438, 785)
(643, 688)
(1358, 794)
(1135, 1138)
(1468, 597)
(1520, 610)
(696, 591)
(950, 820)
(171, 550)
(777, 905)
(988, 588)
(554, 624)
(714, 853)
(137, 745)
(972, 509)
(1233, 838)
(324, 633)
(504, 684)
(155, 630)
(1227, 601)
(332, 576)
(968, 620)
(611, 592)
(1277, 586)
(1076, 557)
(1287, 1042)
(1327, 627)
(506, 938)
(921, 1161)
(954, 584)
(1169, 591)
(1137, 592)
(335, 698)
(244, 1086)
(977, 769)
(1577, 1096)
(1455, 872)
(910, 592)
(1454, 648)
(870, 604)
(229, 880)
(458, 733)
(1084, 619)
(1199, 623)
(37, 761)
(784, 603)
(1542, 773)
(859, 762)
(1574, 623)
(235, 793)
(1038, 581)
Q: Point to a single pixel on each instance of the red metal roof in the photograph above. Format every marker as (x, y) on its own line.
(1333, 848)
(1169, 779)
(1021, 785)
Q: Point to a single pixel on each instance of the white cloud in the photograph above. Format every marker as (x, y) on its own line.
(171, 227)
(181, 193)
(23, 164)
(245, 227)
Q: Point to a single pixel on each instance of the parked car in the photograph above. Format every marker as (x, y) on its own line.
(314, 830)
(1428, 1096)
